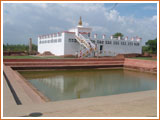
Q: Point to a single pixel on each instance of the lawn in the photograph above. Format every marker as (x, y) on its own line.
(59, 57)
(33, 57)
(143, 58)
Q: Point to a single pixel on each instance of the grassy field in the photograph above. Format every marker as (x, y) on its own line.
(59, 57)
(143, 58)
(33, 57)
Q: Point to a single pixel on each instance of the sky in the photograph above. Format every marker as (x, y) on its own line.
(24, 20)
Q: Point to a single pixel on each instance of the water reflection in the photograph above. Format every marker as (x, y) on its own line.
(89, 83)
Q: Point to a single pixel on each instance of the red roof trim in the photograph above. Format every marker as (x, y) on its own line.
(69, 32)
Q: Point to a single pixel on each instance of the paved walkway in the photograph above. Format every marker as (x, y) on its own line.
(8, 100)
(23, 89)
(137, 104)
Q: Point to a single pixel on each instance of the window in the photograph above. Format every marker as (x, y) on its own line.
(116, 42)
(59, 40)
(89, 34)
(136, 44)
(108, 42)
(75, 40)
(130, 43)
(55, 40)
(70, 40)
(92, 41)
(123, 43)
(100, 42)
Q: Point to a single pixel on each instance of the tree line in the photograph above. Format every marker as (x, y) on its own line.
(18, 48)
(150, 46)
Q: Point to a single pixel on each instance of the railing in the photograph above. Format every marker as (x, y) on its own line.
(84, 53)
(86, 43)
(81, 41)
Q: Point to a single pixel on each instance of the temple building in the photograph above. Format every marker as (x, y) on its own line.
(79, 41)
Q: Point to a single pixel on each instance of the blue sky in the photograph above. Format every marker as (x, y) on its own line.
(139, 10)
(22, 21)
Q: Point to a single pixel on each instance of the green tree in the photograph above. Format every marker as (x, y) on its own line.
(18, 48)
(118, 34)
(150, 46)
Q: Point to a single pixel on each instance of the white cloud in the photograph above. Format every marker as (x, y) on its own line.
(55, 28)
(43, 6)
(150, 8)
(37, 19)
(99, 28)
(154, 18)
(112, 15)
(130, 30)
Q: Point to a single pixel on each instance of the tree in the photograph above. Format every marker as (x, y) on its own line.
(151, 46)
(118, 34)
(18, 48)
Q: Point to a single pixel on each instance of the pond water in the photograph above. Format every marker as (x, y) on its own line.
(72, 84)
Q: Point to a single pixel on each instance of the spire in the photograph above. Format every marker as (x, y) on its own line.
(80, 21)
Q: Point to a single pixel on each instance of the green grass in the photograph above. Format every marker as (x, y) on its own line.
(144, 58)
(58, 57)
(33, 57)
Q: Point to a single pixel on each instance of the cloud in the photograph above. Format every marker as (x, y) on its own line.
(99, 28)
(150, 8)
(22, 21)
(130, 30)
(154, 18)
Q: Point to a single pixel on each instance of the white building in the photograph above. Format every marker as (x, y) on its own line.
(79, 41)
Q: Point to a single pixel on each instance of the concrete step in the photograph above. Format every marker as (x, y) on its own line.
(78, 65)
(61, 63)
(61, 60)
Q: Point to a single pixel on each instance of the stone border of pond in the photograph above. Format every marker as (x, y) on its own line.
(28, 94)
(25, 92)
(88, 63)
(141, 65)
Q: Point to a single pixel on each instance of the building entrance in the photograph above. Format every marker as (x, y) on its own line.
(101, 48)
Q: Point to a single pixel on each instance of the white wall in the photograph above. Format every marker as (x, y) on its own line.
(55, 48)
(113, 50)
(70, 47)
(65, 47)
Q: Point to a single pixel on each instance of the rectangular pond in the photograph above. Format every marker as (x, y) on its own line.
(72, 84)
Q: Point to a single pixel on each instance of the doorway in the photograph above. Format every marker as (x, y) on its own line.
(101, 48)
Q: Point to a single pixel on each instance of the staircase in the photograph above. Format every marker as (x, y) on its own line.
(88, 47)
